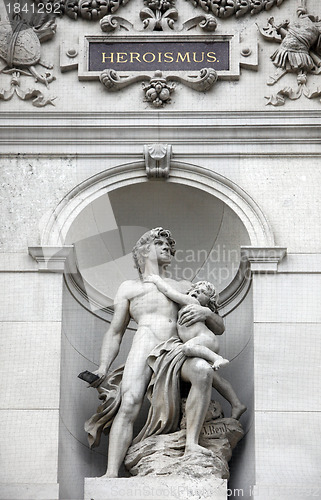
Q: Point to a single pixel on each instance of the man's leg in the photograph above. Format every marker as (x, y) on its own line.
(199, 373)
(226, 390)
(136, 376)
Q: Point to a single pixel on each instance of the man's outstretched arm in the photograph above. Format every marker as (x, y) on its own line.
(113, 336)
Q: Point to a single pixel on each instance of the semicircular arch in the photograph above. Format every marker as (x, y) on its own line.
(57, 225)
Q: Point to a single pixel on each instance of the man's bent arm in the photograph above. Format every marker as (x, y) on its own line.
(215, 323)
(193, 313)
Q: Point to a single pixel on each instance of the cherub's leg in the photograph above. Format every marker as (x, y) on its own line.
(226, 390)
(192, 350)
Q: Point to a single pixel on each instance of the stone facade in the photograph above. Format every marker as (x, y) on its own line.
(244, 174)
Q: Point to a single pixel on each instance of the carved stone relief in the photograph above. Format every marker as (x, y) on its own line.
(159, 89)
(157, 160)
(159, 15)
(91, 10)
(227, 8)
(20, 52)
(299, 53)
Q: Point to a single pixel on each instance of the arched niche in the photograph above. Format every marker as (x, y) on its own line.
(56, 227)
(102, 218)
(109, 211)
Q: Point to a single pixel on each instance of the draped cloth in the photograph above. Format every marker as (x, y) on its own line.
(110, 394)
(163, 392)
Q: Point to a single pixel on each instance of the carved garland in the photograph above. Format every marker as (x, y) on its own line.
(96, 9)
(91, 10)
(237, 8)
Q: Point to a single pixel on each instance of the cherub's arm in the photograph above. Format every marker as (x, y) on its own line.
(170, 292)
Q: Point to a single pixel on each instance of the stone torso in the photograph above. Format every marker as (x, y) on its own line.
(152, 309)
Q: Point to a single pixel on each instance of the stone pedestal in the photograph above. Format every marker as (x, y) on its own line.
(155, 488)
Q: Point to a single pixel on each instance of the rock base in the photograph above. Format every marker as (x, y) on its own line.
(163, 455)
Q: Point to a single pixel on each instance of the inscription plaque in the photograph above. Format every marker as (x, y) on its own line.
(159, 55)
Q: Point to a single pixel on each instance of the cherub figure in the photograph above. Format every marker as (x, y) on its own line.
(198, 340)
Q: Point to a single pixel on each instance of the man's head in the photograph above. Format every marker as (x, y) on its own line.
(205, 293)
(160, 240)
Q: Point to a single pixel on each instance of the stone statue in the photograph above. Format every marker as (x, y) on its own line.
(158, 358)
(198, 340)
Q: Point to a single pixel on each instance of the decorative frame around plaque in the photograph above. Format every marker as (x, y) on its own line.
(233, 73)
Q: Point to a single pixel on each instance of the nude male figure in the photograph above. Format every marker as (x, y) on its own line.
(156, 317)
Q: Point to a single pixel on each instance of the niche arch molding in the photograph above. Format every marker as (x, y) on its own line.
(61, 219)
(57, 225)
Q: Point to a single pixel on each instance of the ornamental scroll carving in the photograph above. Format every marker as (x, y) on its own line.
(159, 88)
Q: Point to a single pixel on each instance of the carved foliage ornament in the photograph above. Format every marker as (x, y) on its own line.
(159, 15)
(238, 8)
(158, 89)
(91, 10)
(158, 12)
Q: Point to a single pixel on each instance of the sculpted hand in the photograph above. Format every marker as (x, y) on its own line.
(192, 314)
(153, 278)
(101, 373)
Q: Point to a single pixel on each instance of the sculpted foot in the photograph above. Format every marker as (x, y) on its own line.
(196, 448)
(220, 362)
(110, 474)
(237, 411)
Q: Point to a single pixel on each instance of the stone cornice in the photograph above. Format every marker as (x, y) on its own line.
(263, 259)
(50, 258)
(209, 133)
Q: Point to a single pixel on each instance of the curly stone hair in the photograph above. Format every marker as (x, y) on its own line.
(213, 295)
(142, 247)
